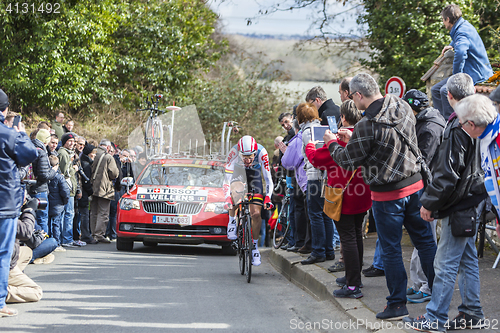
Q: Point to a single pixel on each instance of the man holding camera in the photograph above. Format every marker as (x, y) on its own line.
(16, 150)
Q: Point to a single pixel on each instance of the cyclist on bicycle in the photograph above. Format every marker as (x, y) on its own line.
(247, 162)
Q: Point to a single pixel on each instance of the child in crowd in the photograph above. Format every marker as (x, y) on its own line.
(58, 198)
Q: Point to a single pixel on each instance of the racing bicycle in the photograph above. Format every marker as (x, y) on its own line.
(153, 137)
(244, 243)
(282, 226)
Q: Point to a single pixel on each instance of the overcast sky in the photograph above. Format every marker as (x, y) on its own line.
(297, 22)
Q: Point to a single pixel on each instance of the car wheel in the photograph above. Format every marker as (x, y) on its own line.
(152, 244)
(228, 250)
(124, 245)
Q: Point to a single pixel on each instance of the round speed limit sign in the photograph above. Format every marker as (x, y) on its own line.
(395, 86)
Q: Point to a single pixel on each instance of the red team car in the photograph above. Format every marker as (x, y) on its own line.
(179, 201)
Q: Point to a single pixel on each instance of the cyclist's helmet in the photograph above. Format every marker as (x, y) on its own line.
(247, 145)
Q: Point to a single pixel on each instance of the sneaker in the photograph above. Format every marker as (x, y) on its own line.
(60, 249)
(255, 257)
(373, 272)
(419, 297)
(410, 291)
(345, 292)
(7, 312)
(337, 267)
(69, 245)
(464, 320)
(421, 324)
(231, 231)
(284, 246)
(44, 260)
(341, 281)
(79, 243)
(92, 241)
(393, 313)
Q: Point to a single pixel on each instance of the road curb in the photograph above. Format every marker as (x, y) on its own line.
(318, 282)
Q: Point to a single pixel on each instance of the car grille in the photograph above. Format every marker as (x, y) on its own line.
(172, 229)
(183, 208)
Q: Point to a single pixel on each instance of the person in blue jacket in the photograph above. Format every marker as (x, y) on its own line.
(16, 150)
(470, 56)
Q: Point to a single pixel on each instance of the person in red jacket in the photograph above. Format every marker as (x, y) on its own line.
(356, 202)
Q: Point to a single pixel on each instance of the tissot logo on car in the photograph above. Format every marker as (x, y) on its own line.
(171, 194)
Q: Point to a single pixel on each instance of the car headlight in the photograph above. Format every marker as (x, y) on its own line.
(215, 207)
(128, 204)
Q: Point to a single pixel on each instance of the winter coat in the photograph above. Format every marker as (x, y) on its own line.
(67, 170)
(16, 150)
(312, 173)
(430, 126)
(470, 53)
(387, 162)
(25, 228)
(103, 176)
(293, 160)
(454, 186)
(58, 194)
(86, 185)
(58, 128)
(41, 168)
(328, 108)
(357, 197)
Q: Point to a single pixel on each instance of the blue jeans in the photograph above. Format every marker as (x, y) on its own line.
(262, 233)
(55, 226)
(440, 99)
(42, 216)
(455, 255)
(336, 237)
(377, 257)
(390, 216)
(8, 230)
(321, 224)
(67, 223)
(46, 247)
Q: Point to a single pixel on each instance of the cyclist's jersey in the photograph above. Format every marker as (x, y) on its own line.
(259, 167)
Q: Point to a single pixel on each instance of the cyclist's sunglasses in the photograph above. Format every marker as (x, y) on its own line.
(247, 157)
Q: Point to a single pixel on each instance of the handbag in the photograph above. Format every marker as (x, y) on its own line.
(333, 200)
(463, 222)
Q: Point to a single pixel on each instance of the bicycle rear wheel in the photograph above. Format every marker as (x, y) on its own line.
(282, 226)
(148, 138)
(157, 137)
(248, 248)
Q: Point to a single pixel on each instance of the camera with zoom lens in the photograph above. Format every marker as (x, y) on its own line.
(42, 203)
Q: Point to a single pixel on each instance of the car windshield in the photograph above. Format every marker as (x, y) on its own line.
(172, 175)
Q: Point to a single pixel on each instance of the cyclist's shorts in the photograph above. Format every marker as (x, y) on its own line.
(252, 178)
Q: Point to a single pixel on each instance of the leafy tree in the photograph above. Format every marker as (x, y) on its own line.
(406, 36)
(94, 51)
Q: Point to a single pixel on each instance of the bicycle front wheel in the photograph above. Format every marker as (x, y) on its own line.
(241, 252)
(148, 138)
(157, 137)
(248, 248)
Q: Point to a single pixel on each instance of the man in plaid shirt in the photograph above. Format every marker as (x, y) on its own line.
(379, 145)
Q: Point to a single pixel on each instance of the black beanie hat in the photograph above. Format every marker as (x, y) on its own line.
(4, 101)
(67, 136)
(417, 99)
(88, 148)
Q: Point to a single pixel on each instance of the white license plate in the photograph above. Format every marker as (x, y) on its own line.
(183, 220)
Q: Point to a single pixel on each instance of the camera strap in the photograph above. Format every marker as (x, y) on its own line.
(98, 165)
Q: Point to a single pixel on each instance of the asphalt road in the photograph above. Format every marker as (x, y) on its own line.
(167, 288)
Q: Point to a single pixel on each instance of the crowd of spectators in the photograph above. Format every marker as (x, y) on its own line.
(59, 191)
(408, 164)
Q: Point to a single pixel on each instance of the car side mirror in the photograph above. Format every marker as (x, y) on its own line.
(127, 181)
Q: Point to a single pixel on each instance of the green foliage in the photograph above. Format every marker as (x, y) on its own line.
(228, 95)
(406, 36)
(94, 51)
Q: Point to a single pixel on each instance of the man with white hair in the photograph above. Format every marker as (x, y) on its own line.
(455, 195)
(104, 170)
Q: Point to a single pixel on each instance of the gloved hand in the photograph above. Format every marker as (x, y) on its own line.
(31, 204)
(229, 204)
(268, 204)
